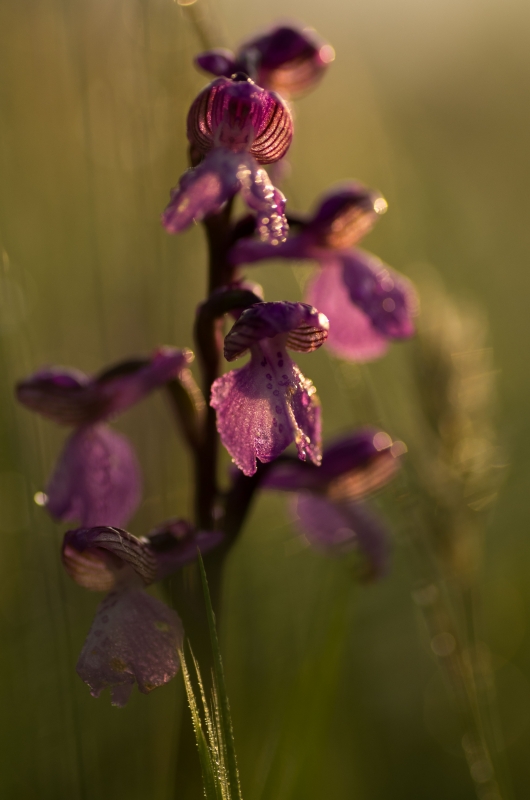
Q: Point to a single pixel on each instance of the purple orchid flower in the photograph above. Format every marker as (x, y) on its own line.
(236, 126)
(134, 636)
(329, 505)
(367, 303)
(97, 479)
(268, 403)
(288, 59)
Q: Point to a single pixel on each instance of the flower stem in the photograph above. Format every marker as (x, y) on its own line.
(208, 337)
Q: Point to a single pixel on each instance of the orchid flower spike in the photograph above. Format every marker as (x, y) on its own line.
(289, 59)
(134, 637)
(97, 479)
(329, 506)
(267, 404)
(367, 303)
(236, 126)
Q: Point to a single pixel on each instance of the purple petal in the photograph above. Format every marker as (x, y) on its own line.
(248, 250)
(288, 59)
(360, 463)
(61, 394)
(70, 397)
(121, 387)
(336, 529)
(352, 467)
(264, 406)
(260, 195)
(219, 62)
(293, 476)
(345, 214)
(204, 189)
(176, 542)
(134, 637)
(102, 557)
(97, 479)
(351, 333)
(241, 117)
(386, 297)
(299, 326)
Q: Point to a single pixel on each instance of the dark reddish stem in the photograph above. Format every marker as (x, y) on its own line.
(209, 339)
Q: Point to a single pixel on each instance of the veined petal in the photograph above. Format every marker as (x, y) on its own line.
(356, 465)
(134, 637)
(338, 528)
(70, 397)
(287, 58)
(176, 542)
(100, 558)
(242, 117)
(264, 406)
(352, 467)
(304, 328)
(204, 189)
(64, 395)
(386, 297)
(97, 479)
(351, 333)
(345, 214)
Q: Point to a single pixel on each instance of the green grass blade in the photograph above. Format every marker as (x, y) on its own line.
(225, 731)
(211, 728)
(208, 767)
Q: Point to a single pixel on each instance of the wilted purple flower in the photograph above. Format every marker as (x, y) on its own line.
(268, 403)
(236, 126)
(367, 303)
(134, 636)
(329, 503)
(97, 479)
(287, 59)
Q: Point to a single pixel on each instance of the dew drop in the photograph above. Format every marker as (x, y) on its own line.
(40, 498)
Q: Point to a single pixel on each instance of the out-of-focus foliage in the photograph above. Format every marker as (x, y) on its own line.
(425, 101)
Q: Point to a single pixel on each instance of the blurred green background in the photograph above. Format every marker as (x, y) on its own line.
(334, 692)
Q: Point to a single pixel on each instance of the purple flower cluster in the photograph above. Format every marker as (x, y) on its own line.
(237, 125)
(367, 303)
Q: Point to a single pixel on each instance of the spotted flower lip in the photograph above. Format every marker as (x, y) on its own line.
(97, 478)
(134, 637)
(267, 404)
(287, 58)
(368, 304)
